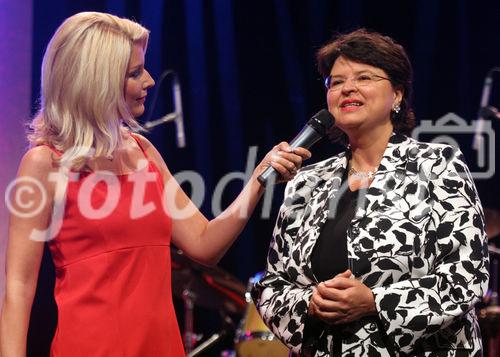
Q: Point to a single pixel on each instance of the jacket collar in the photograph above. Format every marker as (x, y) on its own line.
(326, 180)
(396, 154)
(395, 158)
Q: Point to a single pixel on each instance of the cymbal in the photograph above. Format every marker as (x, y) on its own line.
(209, 287)
(492, 218)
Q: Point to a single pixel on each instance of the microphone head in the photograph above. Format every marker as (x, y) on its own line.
(322, 121)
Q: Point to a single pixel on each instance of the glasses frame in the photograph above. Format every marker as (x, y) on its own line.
(372, 75)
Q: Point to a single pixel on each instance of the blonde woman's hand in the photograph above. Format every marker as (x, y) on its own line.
(285, 160)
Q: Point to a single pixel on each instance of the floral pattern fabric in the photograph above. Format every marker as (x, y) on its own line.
(417, 240)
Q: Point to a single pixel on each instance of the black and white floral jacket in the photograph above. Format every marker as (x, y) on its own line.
(418, 241)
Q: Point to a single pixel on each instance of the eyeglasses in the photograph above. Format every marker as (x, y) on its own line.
(361, 80)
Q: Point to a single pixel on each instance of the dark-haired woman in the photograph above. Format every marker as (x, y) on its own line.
(380, 250)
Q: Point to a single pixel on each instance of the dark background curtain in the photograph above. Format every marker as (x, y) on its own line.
(248, 77)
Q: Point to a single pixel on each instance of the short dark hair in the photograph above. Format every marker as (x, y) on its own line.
(376, 50)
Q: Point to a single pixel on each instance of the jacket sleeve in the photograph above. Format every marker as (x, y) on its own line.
(281, 296)
(455, 245)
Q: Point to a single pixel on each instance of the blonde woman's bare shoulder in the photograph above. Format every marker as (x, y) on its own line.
(38, 161)
(146, 144)
(152, 152)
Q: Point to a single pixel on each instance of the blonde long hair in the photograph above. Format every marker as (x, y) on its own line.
(82, 104)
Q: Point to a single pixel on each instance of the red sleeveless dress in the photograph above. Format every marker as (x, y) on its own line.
(113, 274)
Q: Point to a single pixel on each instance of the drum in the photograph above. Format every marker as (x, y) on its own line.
(253, 338)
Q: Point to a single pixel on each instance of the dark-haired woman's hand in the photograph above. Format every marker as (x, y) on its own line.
(341, 300)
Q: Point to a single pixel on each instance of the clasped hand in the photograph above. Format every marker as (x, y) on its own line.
(341, 300)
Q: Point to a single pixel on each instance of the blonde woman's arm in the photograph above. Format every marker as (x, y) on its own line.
(205, 240)
(24, 254)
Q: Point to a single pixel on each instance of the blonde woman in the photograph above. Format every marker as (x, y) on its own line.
(103, 217)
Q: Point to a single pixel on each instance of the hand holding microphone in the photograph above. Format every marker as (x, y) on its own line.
(312, 132)
(283, 161)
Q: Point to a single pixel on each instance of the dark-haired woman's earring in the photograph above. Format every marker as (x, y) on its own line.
(396, 109)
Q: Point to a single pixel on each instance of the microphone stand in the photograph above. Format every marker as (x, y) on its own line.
(209, 342)
(478, 141)
(188, 298)
(165, 119)
(176, 115)
(228, 325)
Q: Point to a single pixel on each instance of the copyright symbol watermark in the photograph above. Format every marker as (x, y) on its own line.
(20, 197)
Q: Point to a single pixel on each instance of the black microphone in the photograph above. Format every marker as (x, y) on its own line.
(314, 130)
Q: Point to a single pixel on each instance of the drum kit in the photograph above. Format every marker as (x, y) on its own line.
(213, 288)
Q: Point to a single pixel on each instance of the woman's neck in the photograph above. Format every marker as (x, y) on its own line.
(367, 150)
